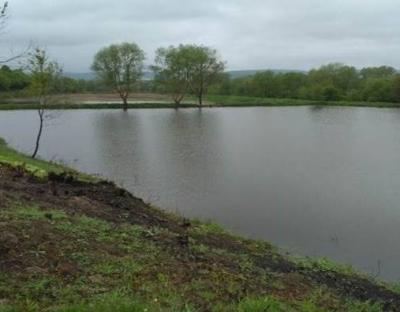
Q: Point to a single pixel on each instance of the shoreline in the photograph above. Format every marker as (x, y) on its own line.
(210, 102)
(120, 243)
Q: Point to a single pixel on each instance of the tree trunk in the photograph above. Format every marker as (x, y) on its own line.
(177, 103)
(201, 91)
(177, 100)
(125, 103)
(39, 135)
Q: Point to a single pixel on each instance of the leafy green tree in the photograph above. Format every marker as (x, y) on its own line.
(290, 84)
(265, 84)
(378, 90)
(120, 66)
(223, 86)
(5, 79)
(396, 88)
(44, 77)
(331, 82)
(342, 77)
(206, 68)
(13, 80)
(377, 72)
(173, 70)
(242, 86)
(330, 93)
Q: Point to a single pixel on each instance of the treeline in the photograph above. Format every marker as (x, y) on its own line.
(332, 82)
(12, 80)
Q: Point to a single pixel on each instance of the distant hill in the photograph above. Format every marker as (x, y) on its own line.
(92, 76)
(83, 76)
(249, 72)
(149, 75)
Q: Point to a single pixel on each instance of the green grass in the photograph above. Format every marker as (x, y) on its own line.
(227, 101)
(324, 264)
(124, 270)
(141, 278)
(39, 168)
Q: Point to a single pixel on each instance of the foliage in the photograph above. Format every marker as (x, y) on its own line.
(120, 66)
(188, 68)
(44, 73)
(44, 78)
(13, 80)
(332, 82)
(172, 71)
(206, 70)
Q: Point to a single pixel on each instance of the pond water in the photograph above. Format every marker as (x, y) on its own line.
(314, 181)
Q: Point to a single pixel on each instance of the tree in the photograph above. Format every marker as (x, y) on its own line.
(396, 88)
(11, 80)
(172, 71)
(120, 66)
(378, 90)
(265, 84)
(205, 69)
(378, 72)
(3, 22)
(291, 83)
(44, 76)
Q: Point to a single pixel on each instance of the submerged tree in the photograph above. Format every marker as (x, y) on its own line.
(172, 71)
(206, 69)
(188, 68)
(120, 66)
(44, 76)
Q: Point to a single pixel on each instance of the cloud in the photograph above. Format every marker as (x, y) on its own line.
(255, 34)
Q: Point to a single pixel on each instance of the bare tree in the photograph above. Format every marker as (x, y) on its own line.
(3, 23)
(45, 74)
(120, 66)
(3, 15)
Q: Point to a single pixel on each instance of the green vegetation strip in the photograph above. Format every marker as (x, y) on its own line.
(37, 167)
(212, 101)
(15, 106)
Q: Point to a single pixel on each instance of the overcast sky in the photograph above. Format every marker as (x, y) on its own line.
(250, 34)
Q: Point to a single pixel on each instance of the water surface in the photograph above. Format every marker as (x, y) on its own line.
(318, 182)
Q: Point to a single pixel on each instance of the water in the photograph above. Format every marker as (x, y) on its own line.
(318, 182)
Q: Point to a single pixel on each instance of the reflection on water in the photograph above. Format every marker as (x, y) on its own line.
(317, 181)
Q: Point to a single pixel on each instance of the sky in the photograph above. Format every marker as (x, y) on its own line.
(249, 34)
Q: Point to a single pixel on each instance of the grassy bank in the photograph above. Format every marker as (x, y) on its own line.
(233, 101)
(67, 106)
(211, 101)
(69, 243)
(37, 167)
